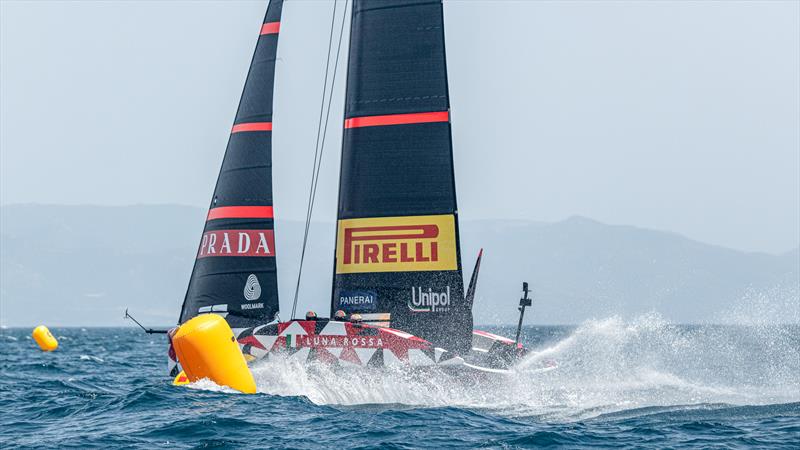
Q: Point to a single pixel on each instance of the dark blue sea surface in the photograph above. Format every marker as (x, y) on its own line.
(641, 383)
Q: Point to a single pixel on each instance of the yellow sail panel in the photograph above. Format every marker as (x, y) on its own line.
(396, 244)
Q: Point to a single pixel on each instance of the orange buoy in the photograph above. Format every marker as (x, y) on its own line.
(206, 348)
(44, 338)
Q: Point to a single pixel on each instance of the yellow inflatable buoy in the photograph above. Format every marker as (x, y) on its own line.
(206, 348)
(44, 338)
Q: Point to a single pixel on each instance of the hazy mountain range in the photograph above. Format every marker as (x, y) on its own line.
(83, 265)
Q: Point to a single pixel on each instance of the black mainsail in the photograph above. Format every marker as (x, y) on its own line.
(235, 271)
(397, 248)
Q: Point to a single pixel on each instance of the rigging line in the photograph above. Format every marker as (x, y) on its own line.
(318, 148)
(321, 109)
(330, 101)
(318, 167)
(316, 156)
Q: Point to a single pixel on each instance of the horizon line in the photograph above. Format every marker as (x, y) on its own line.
(573, 216)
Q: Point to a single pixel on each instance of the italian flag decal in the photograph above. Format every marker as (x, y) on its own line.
(291, 341)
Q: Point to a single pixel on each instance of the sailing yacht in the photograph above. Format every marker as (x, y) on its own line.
(397, 262)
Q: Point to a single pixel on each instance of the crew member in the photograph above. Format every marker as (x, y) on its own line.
(311, 315)
(355, 318)
(340, 316)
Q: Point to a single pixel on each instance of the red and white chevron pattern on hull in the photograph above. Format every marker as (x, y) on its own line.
(342, 343)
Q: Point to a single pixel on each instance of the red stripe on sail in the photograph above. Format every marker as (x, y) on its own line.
(252, 126)
(270, 28)
(240, 212)
(397, 119)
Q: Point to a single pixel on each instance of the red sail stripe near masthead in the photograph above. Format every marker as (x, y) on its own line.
(240, 212)
(270, 28)
(252, 126)
(397, 119)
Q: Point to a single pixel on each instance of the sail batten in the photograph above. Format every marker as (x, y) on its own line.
(235, 269)
(397, 250)
(251, 126)
(270, 28)
(240, 212)
(397, 119)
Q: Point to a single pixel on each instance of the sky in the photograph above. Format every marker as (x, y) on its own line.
(678, 116)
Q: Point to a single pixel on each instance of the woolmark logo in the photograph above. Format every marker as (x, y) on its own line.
(429, 301)
(237, 243)
(396, 244)
(252, 288)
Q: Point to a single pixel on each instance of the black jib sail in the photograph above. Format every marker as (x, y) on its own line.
(397, 253)
(235, 272)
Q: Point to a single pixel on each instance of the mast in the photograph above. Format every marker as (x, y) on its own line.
(235, 271)
(397, 249)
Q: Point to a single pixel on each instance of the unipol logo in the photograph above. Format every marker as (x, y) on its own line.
(423, 300)
(237, 243)
(396, 244)
(252, 288)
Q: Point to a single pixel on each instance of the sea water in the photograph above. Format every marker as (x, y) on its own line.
(636, 383)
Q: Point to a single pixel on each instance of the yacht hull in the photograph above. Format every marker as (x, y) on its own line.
(349, 344)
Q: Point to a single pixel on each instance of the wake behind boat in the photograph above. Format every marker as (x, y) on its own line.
(397, 264)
